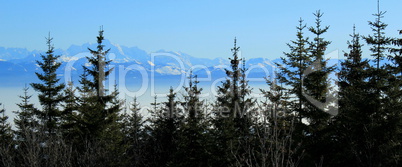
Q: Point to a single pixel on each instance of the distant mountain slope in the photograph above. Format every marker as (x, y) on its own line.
(19, 65)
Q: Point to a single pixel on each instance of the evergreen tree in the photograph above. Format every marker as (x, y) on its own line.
(192, 104)
(7, 149)
(392, 106)
(134, 137)
(246, 103)
(378, 40)
(164, 131)
(69, 115)
(349, 124)
(5, 128)
(50, 91)
(151, 151)
(192, 148)
(96, 109)
(316, 90)
(96, 127)
(291, 71)
(286, 90)
(275, 130)
(304, 73)
(232, 121)
(316, 82)
(382, 97)
(25, 120)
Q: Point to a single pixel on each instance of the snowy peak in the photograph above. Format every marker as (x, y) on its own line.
(161, 62)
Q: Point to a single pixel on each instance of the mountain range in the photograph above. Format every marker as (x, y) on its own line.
(18, 65)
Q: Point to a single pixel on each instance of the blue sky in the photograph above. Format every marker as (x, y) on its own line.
(203, 28)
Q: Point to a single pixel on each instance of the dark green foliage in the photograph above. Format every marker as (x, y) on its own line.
(192, 146)
(5, 128)
(134, 136)
(6, 140)
(274, 132)
(382, 102)
(96, 110)
(292, 69)
(232, 114)
(304, 75)
(316, 82)
(69, 123)
(164, 132)
(378, 40)
(352, 120)
(317, 91)
(25, 118)
(50, 90)
(97, 119)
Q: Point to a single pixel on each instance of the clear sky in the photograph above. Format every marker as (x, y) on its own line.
(203, 28)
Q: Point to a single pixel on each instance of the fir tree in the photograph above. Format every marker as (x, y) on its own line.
(392, 106)
(151, 152)
(232, 108)
(7, 148)
(164, 132)
(97, 111)
(382, 100)
(349, 124)
(50, 90)
(292, 68)
(275, 130)
(192, 103)
(69, 115)
(316, 82)
(25, 120)
(5, 128)
(192, 148)
(246, 103)
(378, 40)
(134, 137)
(316, 90)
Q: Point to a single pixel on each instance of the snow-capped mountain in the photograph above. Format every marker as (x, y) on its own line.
(18, 64)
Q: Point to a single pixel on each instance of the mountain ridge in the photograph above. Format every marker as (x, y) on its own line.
(19, 64)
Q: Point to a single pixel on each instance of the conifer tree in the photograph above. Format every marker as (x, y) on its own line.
(393, 105)
(382, 98)
(164, 131)
(275, 132)
(352, 101)
(69, 116)
(192, 103)
(192, 148)
(97, 128)
(7, 149)
(151, 152)
(246, 103)
(50, 90)
(135, 120)
(378, 40)
(25, 120)
(292, 68)
(133, 130)
(5, 128)
(97, 112)
(232, 100)
(316, 83)
(226, 107)
(232, 121)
